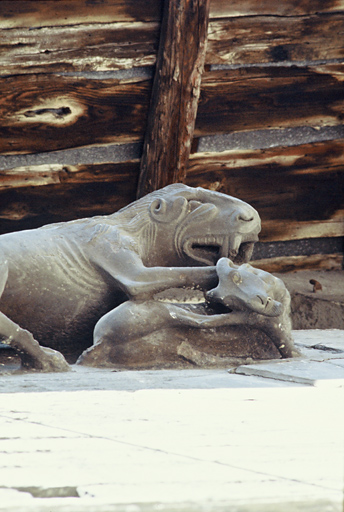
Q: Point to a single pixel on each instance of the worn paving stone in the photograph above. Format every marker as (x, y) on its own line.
(83, 379)
(313, 373)
(199, 440)
(204, 447)
(74, 505)
(337, 362)
(325, 339)
(312, 354)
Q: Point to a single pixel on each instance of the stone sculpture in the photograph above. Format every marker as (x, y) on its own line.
(63, 281)
(262, 299)
(251, 297)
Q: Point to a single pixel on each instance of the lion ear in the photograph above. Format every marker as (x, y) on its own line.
(167, 211)
(158, 208)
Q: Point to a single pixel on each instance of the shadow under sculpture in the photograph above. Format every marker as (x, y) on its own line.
(93, 287)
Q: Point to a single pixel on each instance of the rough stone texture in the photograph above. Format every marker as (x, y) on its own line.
(187, 348)
(321, 310)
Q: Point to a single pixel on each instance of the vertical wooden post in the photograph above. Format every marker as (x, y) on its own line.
(175, 94)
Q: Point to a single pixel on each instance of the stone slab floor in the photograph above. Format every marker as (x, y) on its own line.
(264, 437)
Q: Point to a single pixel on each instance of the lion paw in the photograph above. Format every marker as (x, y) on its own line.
(49, 361)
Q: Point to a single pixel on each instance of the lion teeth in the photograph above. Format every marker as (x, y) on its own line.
(234, 244)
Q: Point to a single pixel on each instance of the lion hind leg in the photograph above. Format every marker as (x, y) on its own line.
(32, 355)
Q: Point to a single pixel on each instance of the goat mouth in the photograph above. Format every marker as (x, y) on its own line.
(209, 249)
(273, 308)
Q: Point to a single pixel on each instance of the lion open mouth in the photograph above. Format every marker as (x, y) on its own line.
(209, 249)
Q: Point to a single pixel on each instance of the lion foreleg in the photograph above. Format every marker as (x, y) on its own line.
(189, 318)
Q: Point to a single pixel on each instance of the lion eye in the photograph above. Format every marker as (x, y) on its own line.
(157, 206)
(236, 278)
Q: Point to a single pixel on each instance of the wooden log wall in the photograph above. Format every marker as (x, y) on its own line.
(77, 76)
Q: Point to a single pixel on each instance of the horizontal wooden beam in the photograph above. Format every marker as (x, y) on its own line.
(56, 174)
(292, 8)
(245, 40)
(34, 14)
(270, 97)
(267, 39)
(298, 190)
(33, 196)
(39, 112)
(79, 48)
(37, 14)
(297, 263)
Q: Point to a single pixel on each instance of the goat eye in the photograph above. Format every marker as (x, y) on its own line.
(236, 278)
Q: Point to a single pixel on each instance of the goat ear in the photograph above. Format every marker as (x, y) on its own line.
(162, 210)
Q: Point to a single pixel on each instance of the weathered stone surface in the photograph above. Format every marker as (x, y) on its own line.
(201, 440)
(321, 310)
(314, 373)
(324, 339)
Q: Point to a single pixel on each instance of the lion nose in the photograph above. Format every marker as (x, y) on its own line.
(244, 217)
(248, 220)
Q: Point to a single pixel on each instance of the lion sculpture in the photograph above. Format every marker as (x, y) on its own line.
(59, 282)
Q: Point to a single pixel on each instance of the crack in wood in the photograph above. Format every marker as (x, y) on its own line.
(56, 112)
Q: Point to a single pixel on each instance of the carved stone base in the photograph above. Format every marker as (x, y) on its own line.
(184, 348)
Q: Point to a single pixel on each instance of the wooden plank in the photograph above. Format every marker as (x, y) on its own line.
(224, 8)
(31, 197)
(34, 14)
(297, 190)
(274, 230)
(37, 14)
(270, 97)
(296, 263)
(102, 47)
(54, 174)
(176, 89)
(269, 39)
(40, 112)
(92, 47)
